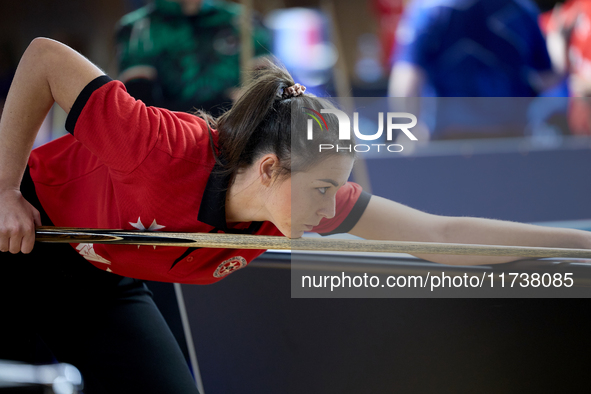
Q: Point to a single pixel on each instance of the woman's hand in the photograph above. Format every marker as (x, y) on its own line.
(18, 219)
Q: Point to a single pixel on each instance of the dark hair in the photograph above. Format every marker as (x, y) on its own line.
(261, 122)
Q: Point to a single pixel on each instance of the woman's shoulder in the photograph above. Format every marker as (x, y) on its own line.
(185, 133)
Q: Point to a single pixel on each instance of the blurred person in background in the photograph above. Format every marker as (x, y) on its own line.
(471, 48)
(185, 54)
(568, 32)
(388, 13)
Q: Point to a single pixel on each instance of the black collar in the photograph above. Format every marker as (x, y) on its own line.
(213, 204)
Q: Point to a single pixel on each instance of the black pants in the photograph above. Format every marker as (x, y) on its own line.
(106, 325)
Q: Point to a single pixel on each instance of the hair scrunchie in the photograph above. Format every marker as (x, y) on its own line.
(293, 91)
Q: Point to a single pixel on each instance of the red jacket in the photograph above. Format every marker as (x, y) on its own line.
(132, 167)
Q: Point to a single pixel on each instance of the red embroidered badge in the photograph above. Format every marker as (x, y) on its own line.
(229, 266)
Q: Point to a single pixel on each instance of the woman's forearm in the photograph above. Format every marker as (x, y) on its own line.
(48, 72)
(384, 219)
(27, 104)
(470, 230)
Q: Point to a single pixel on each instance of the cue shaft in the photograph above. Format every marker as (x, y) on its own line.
(233, 241)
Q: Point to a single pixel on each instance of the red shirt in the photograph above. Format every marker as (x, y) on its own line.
(131, 167)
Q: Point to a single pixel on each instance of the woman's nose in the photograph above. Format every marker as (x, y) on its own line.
(328, 209)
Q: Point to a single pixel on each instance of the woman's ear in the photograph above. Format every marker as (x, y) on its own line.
(268, 167)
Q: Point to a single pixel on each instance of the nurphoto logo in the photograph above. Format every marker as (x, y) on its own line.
(345, 130)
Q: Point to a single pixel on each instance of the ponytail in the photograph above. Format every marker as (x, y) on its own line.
(261, 122)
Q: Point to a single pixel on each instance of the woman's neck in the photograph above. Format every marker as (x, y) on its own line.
(243, 199)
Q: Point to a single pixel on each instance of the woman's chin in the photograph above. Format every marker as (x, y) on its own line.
(292, 233)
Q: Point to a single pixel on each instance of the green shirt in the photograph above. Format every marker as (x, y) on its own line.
(197, 57)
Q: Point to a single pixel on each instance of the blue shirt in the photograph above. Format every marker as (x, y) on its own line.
(471, 48)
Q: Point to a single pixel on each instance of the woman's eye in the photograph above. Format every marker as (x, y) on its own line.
(322, 190)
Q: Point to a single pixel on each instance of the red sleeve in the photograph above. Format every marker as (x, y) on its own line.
(351, 202)
(121, 131)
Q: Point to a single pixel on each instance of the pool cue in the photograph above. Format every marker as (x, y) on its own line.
(234, 241)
